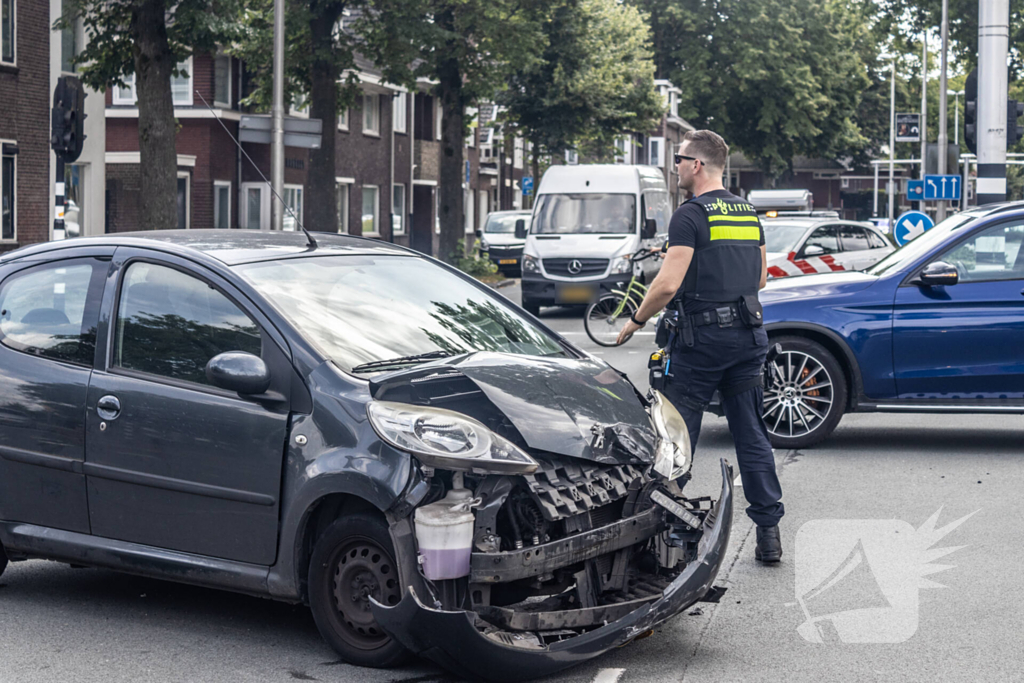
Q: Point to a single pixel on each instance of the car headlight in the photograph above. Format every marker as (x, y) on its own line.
(623, 264)
(672, 457)
(483, 245)
(530, 264)
(446, 439)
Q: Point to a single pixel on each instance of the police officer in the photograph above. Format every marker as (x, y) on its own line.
(712, 272)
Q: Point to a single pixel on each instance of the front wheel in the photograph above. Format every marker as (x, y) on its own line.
(531, 307)
(352, 561)
(3, 560)
(605, 317)
(805, 396)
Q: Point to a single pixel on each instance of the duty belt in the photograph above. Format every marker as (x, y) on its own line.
(725, 316)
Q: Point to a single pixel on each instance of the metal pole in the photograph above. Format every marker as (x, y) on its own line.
(874, 207)
(940, 210)
(59, 231)
(924, 105)
(993, 40)
(890, 191)
(277, 121)
(956, 120)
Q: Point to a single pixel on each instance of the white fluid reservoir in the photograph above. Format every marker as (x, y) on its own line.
(444, 534)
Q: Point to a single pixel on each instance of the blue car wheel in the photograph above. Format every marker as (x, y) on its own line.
(806, 396)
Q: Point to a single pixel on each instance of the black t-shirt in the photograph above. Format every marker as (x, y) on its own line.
(688, 225)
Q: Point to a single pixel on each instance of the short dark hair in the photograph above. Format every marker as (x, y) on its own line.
(708, 146)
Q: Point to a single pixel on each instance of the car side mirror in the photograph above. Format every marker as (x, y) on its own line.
(813, 250)
(650, 229)
(478, 232)
(939, 273)
(521, 229)
(238, 371)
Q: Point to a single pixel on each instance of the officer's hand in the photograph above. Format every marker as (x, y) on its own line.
(627, 331)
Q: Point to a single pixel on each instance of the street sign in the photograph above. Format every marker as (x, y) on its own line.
(467, 171)
(911, 225)
(942, 187)
(298, 132)
(915, 190)
(527, 183)
(908, 127)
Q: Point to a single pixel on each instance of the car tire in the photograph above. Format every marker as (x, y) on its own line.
(531, 307)
(804, 404)
(353, 559)
(3, 560)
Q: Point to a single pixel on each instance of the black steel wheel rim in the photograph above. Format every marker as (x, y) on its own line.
(362, 569)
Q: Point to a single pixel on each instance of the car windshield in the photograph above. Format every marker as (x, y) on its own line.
(567, 214)
(921, 245)
(782, 236)
(505, 223)
(361, 309)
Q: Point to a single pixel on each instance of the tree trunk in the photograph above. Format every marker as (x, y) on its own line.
(158, 159)
(452, 169)
(321, 201)
(535, 170)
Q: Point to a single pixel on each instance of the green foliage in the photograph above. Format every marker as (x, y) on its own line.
(473, 262)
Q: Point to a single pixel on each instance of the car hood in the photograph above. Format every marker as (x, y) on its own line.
(580, 408)
(503, 239)
(818, 284)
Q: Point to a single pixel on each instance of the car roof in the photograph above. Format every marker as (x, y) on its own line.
(812, 222)
(231, 247)
(510, 211)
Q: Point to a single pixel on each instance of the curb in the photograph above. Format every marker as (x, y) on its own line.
(503, 283)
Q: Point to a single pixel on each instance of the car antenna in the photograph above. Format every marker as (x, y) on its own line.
(312, 242)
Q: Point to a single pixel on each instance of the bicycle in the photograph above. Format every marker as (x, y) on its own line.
(604, 318)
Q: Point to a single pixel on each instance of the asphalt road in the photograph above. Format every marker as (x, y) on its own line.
(879, 476)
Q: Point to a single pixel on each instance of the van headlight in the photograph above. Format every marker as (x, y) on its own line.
(446, 439)
(483, 245)
(531, 264)
(623, 264)
(672, 455)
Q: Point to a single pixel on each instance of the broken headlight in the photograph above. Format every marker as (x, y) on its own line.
(672, 454)
(446, 439)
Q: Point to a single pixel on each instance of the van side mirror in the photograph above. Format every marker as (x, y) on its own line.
(238, 371)
(650, 229)
(521, 229)
(478, 232)
(939, 273)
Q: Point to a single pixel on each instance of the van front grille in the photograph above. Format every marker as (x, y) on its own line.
(588, 267)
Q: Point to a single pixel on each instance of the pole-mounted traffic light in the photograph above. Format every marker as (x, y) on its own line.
(68, 119)
(1014, 132)
(971, 112)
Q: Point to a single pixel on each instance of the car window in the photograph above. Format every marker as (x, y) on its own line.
(877, 241)
(170, 324)
(506, 223)
(781, 236)
(854, 238)
(825, 237)
(993, 254)
(52, 310)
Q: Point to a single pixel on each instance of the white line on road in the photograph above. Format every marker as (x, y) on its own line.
(609, 675)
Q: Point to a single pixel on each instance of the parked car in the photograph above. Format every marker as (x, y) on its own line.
(350, 425)
(935, 327)
(820, 243)
(498, 239)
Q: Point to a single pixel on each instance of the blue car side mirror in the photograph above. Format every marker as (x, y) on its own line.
(939, 273)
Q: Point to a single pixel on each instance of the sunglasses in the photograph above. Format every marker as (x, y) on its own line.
(681, 157)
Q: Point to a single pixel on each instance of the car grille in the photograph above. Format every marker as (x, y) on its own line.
(564, 489)
(588, 266)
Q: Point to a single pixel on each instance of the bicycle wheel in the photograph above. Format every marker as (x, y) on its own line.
(601, 323)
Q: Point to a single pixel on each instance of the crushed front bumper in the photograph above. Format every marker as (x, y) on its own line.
(450, 638)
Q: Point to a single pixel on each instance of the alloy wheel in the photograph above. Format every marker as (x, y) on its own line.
(799, 396)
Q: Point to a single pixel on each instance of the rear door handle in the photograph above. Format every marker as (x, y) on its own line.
(108, 407)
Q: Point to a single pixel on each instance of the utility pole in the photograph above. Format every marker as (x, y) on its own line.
(277, 122)
(891, 191)
(993, 42)
(924, 103)
(940, 211)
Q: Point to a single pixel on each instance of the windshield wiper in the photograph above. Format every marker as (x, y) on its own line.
(402, 360)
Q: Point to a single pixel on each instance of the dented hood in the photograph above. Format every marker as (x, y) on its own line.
(576, 407)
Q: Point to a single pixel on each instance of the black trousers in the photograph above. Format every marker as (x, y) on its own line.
(726, 358)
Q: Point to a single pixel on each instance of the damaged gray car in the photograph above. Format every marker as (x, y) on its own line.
(347, 424)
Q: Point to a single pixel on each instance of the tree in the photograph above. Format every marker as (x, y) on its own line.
(593, 81)
(149, 38)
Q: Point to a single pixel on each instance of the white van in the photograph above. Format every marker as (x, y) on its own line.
(587, 221)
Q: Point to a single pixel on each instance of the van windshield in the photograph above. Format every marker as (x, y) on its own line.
(567, 214)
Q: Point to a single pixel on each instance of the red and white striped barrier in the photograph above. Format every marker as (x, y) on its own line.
(814, 264)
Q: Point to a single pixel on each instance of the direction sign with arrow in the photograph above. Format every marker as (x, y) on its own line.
(942, 187)
(910, 225)
(915, 190)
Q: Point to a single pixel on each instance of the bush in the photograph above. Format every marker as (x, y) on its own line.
(474, 263)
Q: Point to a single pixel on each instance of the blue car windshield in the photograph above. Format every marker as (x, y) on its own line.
(918, 246)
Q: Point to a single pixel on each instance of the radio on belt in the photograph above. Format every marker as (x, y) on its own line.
(676, 509)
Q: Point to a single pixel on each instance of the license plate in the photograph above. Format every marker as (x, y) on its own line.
(507, 261)
(575, 294)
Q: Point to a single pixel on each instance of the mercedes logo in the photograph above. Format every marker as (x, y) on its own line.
(575, 266)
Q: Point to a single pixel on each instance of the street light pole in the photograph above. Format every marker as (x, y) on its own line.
(277, 122)
(940, 211)
(956, 117)
(993, 42)
(890, 191)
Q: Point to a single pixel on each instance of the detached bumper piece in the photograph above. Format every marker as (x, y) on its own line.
(452, 640)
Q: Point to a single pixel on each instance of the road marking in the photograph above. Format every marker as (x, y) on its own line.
(609, 675)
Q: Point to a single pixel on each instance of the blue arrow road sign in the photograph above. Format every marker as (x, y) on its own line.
(942, 187)
(527, 185)
(910, 225)
(915, 190)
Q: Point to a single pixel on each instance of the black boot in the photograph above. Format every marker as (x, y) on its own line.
(769, 544)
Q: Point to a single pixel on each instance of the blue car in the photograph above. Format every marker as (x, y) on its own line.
(935, 327)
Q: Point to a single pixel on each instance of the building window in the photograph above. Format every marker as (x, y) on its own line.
(572, 157)
(343, 208)
(657, 152)
(400, 103)
(292, 207)
(469, 210)
(371, 114)
(300, 107)
(74, 200)
(221, 204)
(398, 209)
(184, 200)
(222, 81)
(7, 31)
(438, 117)
(255, 209)
(68, 44)
(370, 210)
(517, 153)
(343, 119)
(8, 187)
(181, 87)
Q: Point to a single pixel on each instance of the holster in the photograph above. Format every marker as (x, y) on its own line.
(751, 312)
(684, 324)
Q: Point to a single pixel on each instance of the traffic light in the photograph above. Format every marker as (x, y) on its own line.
(971, 112)
(1014, 132)
(67, 119)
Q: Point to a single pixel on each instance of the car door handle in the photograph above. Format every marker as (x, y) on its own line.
(108, 407)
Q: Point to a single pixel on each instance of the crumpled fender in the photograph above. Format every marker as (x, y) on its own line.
(450, 639)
